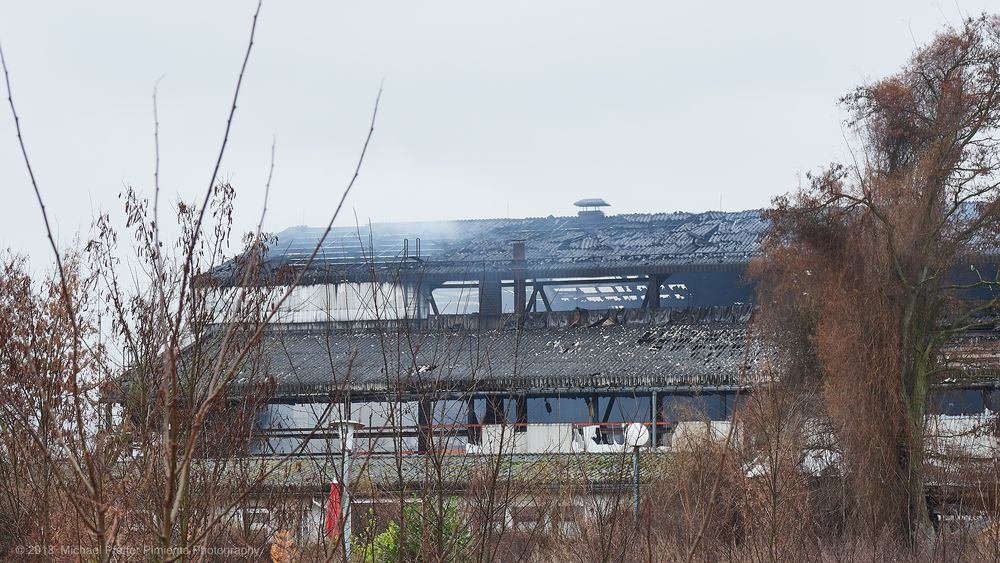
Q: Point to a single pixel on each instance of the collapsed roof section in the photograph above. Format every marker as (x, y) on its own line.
(641, 244)
(703, 348)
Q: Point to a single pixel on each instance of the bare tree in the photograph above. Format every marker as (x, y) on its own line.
(865, 260)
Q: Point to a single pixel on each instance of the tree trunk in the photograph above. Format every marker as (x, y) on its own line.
(916, 365)
(917, 511)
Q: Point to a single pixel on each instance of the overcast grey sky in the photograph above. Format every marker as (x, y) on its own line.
(488, 107)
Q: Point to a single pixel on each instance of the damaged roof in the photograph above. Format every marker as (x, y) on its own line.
(704, 347)
(586, 245)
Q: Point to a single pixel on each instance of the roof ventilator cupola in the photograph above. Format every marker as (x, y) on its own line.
(590, 208)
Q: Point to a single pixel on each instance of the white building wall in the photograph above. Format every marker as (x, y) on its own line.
(973, 435)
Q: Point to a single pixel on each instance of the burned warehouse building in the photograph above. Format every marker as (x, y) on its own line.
(541, 338)
(563, 328)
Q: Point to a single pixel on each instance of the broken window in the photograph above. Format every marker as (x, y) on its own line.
(456, 300)
(678, 408)
(561, 409)
(462, 298)
(993, 400)
(625, 294)
(448, 424)
(957, 402)
(626, 408)
(448, 413)
(500, 410)
(301, 428)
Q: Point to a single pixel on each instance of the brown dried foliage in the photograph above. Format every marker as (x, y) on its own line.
(857, 284)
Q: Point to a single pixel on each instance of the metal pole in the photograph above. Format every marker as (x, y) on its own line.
(347, 440)
(635, 485)
(655, 417)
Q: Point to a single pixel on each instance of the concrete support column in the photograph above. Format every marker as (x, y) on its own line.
(520, 301)
(490, 303)
(652, 299)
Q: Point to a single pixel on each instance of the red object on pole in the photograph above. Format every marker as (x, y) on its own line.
(333, 511)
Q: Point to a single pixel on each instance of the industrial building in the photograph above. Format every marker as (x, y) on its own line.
(542, 339)
(556, 331)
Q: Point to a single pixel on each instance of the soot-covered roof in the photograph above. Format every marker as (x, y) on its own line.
(703, 347)
(555, 246)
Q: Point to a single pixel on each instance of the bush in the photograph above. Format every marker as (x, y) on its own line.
(428, 536)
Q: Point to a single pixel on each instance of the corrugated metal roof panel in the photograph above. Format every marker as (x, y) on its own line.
(576, 349)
